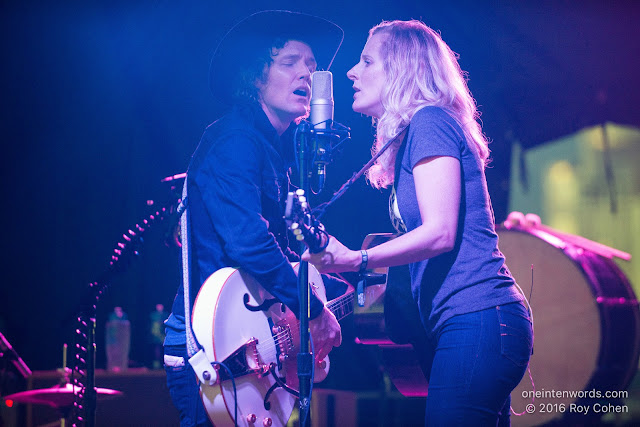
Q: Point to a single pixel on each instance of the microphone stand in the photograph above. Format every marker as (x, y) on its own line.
(320, 154)
(305, 358)
(304, 134)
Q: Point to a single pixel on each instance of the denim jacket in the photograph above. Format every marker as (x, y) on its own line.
(237, 187)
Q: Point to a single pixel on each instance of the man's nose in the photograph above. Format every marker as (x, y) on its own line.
(305, 73)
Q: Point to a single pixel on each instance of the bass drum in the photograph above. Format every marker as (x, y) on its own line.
(586, 326)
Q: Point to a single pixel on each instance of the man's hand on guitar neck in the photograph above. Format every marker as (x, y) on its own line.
(325, 332)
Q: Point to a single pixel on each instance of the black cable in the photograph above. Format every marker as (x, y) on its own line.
(235, 391)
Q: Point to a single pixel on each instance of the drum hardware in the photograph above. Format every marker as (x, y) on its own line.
(61, 397)
(83, 370)
(532, 223)
(58, 397)
(8, 352)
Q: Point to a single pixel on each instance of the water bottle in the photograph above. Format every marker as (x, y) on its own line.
(156, 335)
(118, 340)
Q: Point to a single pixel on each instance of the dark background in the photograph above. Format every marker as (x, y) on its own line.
(101, 100)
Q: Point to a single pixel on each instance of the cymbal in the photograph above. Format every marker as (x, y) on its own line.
(58, 396)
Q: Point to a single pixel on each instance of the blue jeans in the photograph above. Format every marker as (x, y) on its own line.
(478, 359)
(185, 391)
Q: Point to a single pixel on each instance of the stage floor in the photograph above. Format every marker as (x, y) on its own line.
(146, 401)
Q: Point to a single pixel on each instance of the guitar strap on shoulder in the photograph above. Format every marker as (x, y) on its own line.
(185, 229)
(197, 357)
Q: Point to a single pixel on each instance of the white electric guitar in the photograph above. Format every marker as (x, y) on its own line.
(240, 324)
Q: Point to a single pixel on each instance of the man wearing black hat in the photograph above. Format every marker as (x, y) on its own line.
(237, 179)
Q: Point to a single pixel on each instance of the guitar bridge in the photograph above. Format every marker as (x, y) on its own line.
(283, 338)
(244, 361)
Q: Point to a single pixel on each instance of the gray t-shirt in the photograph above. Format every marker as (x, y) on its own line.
(473, 276)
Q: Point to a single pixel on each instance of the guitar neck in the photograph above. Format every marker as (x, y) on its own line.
(342, 306)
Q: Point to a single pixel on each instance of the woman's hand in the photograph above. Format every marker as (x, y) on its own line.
(336, 258)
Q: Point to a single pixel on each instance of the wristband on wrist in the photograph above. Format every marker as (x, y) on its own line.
(365, 260)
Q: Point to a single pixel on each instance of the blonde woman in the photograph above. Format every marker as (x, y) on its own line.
(478, 326)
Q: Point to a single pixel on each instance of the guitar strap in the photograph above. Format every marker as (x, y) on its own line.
(394, 209)
(197, 358)
(185, 229)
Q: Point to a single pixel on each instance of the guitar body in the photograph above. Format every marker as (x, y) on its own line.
(390, 320)
(239, 323)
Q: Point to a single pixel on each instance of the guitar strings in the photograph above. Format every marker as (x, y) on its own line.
(346, 301)
(341, 304)
(269, 348)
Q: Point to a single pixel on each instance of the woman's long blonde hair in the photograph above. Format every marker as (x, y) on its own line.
(420, 70)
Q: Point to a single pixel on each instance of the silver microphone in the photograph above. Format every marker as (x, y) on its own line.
(321, 99)
(321, 116)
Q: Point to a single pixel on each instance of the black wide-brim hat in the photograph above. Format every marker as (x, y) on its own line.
(256, 33)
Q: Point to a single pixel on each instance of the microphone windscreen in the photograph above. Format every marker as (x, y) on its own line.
(321, 103)
(322, 85)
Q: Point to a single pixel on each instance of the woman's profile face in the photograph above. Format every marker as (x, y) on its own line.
(368, 78)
